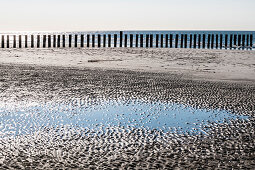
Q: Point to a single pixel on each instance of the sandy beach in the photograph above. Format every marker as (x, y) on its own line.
(219, 65)
(209, 79)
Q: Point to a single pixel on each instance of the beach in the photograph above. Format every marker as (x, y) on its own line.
(199, 78)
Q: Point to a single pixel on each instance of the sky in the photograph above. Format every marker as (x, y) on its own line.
(93, 15)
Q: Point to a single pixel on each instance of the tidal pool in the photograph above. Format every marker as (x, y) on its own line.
(25, 118)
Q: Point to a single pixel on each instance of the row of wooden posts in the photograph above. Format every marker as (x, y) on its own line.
(167, 40)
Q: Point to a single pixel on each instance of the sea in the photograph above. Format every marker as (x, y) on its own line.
(154, 33)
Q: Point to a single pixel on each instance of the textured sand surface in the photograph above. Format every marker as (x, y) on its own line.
(50, 75)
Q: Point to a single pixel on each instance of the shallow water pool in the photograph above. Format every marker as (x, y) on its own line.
(25, 118)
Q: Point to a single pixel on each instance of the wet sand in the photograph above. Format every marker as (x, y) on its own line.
(225, 145)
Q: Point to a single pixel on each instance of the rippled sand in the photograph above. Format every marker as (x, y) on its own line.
(228, 144)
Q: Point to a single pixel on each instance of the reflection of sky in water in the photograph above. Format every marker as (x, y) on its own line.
(24, 119)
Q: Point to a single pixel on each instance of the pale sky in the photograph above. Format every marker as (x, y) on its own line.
(92, 15)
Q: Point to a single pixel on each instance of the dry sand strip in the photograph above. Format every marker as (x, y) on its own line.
(226, 145)
(219, 65)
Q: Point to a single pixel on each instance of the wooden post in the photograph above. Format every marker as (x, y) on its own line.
(243, 41)
(54, 41)
(171, 40)
(226, 41)
(217, 41)
(109, 40)
(231, 41)
(63, 41)
(32, 41)
(195, 41)
(151, 40)
(115, 40)
(49, 41)
(239, 40)
(88, 40)
(208, 41)
(14, 41)
(70, 40)
(203, 41)
(185, 41)
(131, 40)
(99, 40)
(199, 41)
(136, 40)
(125, 40)
(104, 41)
(166, 41)
(212, 43)
(58, 41)
(147, 40)
(221, 40)
(157, 37)
(190, 41)
(176, 40)
(8, 42)
(82, 40)
(44, 41)
(93, 40)
(141, 40)
(75, 40)
(161, 40)
(2, 41)
(251, 40)
(20, 41)
(235, 38)
(182, 40)
(121, 38)
(247, 41)
(38, 41)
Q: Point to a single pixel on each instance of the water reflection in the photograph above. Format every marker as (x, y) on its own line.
(27, 118)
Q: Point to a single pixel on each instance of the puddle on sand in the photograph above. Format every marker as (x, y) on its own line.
(27, 118)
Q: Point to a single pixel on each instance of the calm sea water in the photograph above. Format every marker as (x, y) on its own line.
(128, 33)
